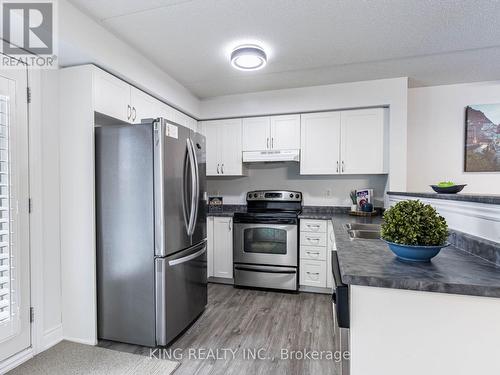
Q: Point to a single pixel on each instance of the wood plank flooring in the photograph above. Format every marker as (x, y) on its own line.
(247, 321)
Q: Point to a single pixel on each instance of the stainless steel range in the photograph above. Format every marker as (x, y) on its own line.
(265, 242)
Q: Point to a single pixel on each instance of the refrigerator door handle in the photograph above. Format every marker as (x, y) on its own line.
(188, 257)
(159, 206)
(194, 193)
(196, 198)
(185, 214)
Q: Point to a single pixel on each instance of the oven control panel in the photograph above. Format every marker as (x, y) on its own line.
(274, 195)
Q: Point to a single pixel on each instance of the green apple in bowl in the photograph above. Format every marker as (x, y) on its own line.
(447, 187)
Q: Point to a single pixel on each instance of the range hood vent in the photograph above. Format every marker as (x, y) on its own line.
(272, 155)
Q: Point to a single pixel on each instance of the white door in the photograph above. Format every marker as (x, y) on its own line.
(210, 131)
(112, 96)
(229, 144)
(255, 134)
(362, 145)
(143, 106)
(285, 132)
(320, 143)
(210, 246)
(14, 223)
(223, 247)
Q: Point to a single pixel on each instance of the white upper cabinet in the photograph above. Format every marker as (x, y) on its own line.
(143, 106)
(111, 96)
(271, 133)
(364, 135)
(116, 98)
(285, 132)
(344, 142)
(223, 139)
(255, 134)
(320, 143)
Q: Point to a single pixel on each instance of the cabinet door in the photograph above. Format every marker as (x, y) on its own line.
(112, 96)
(229, 145)
(320, 143)
(363, 141)
(210, 246)
(210, 130)
(143, 106)
(255, 134)
(166, 112)
(285, 132)
(223, 247)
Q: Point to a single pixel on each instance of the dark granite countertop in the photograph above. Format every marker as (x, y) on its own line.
(475, 198)
(371, 263)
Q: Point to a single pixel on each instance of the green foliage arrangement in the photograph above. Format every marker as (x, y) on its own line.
(412, 222)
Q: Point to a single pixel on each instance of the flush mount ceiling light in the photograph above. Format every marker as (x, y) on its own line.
(248, 57)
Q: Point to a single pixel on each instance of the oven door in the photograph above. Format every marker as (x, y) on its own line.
(266, 244)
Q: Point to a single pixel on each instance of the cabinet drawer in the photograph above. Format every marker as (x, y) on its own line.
(313, 252)
(313, 239)
(313, 273)
(318, 226)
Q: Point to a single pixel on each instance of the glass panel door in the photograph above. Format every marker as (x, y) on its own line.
(265, 240)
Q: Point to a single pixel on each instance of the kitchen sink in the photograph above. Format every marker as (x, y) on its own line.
(363, 231)
(360, 226)
(364, 234)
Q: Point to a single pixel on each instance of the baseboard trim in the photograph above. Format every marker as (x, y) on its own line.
(220, 280)
(80, 341)
(16, 360)
(314, 289)
(52, 337)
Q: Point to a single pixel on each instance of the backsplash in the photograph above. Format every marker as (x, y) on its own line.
(317, 190)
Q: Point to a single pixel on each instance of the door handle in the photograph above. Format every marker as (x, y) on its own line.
(188, 257)
(194, 189)
(197, 185)
(129, 111)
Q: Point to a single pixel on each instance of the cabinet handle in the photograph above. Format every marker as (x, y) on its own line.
(222, 168)
(267, 143)
(134, 114)
(343, 166)
(129, 111)
(337, 166)
(312, 273)
(218, 171)
(312, 252)
(312, 239)
(313, 225)
(272, 142)
(229, 225)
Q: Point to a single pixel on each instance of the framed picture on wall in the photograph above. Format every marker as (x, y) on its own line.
(482, 138)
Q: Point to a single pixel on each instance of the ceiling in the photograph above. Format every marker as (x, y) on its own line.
(310, 42)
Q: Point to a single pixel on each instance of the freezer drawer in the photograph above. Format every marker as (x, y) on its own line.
(265, 276)
(181, 291)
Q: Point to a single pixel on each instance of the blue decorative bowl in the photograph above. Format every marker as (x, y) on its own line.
(413, 253)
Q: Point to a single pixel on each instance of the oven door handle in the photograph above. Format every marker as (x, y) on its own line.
(265, 270)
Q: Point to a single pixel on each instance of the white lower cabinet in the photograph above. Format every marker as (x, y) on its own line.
(220, 247)
(313, 273)
(313, 253)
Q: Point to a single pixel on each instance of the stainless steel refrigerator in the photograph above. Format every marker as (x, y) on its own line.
(151, 231)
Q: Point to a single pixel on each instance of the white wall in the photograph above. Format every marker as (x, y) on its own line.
(82, 41)
(317, 190)
(385, 92)
(436, 136)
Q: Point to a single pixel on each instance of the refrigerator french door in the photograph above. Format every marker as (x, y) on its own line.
(151, 231)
